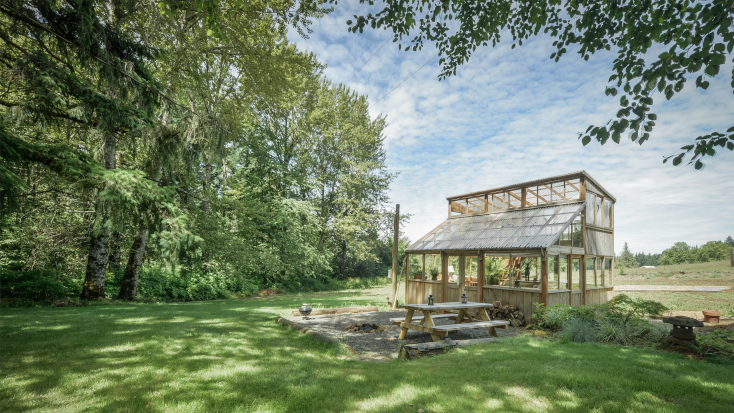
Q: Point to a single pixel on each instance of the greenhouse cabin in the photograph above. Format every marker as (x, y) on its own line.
(545, 241)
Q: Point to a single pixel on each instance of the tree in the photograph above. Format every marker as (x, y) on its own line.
(697, 40)
(626, 259)
(729, 241)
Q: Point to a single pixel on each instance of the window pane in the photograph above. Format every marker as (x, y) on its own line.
(590, 202)
(578, 237)
(608, 213)
(597, 211)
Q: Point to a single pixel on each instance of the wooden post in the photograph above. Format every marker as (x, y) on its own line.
(405, 266)
(424, 266)
(595, 269)
(395, 275)
(523, 197)
(480, 276)
(569, 274)
(462, 274)
(582, 272)
(731, 256)
(611, 275)
(544, 276)
(557, 270)
(444, 275)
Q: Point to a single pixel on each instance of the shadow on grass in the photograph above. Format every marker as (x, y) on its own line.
(230, 356)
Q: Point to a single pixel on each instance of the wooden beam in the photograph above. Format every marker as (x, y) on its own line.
(573, 186)
(522, 201)
(456, 207)
(582, 272)
(444, 275)
(582, 191)
(462, 274)
(480, 276)
(524, 197)
(569, 274)
(396, 231)
(544, 278)
(539, 197)
(486, 204)
(555, 192)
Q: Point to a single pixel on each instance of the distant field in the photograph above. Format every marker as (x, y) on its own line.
(710, 273)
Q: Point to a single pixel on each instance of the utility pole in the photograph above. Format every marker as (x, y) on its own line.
(395, 275)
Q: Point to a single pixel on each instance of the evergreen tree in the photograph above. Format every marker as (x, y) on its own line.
(626, 259)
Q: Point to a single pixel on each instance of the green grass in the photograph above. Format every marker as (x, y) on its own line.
(229, 356)
(710, 273)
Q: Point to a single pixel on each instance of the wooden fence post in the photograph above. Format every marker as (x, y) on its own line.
(395, 275)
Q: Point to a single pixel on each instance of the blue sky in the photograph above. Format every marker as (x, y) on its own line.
(513, 115)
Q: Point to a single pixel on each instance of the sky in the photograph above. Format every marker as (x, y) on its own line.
(513, 115)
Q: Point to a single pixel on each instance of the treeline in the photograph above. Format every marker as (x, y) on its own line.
(137, 142)
(680, 253)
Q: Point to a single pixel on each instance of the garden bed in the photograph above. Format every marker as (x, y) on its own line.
(382, 345)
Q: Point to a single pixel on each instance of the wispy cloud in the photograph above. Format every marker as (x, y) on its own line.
(513, 115)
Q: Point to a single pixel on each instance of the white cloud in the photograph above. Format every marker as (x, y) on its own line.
(513, 115)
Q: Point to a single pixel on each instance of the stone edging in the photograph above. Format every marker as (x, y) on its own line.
(309, 332)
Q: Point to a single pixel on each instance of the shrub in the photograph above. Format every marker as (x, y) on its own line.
(41, 286)
(554, 316)
(636, 331)
(715, 342)
(578, 330)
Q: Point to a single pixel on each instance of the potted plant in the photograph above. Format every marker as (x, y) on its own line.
(434, 273)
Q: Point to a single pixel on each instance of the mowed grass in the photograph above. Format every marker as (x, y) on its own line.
(718, 273)
(222, 356)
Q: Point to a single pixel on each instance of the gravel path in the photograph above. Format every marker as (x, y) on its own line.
(384, 345)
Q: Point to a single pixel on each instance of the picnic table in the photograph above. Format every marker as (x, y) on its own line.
(427, 325)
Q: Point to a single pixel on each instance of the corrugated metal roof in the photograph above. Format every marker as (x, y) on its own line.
(519, 229)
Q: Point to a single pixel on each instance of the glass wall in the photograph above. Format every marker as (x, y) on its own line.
(608, 214)
(590, 275)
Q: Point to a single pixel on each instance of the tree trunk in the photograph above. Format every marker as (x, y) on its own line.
(129, 285)
(343, 265)
(94, 279)
(207, 184)
(115, 252)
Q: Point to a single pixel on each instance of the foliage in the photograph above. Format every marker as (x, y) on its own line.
(198, 125)
(695, 39)
(554, 316)
(682, 253)
(620, 321)
(625, 259)
(648, 259)
(614, 330)
(627, 308)
(578, 330)
(37, 286)
(493, 269)
(718, 341)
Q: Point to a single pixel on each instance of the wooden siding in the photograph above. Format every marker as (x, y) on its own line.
(599, 243)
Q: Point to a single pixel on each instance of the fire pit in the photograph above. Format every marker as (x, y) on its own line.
(682, 333)
(364, 328)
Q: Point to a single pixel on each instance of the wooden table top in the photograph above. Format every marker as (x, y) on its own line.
(446, 306)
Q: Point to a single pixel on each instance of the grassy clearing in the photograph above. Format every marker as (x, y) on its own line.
(229, 356)
(711, 273)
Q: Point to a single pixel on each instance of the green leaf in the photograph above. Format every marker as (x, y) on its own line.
(652, 116)
(585, 140)
(699, 165)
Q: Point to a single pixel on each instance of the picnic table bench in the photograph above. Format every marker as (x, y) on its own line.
(427, 325)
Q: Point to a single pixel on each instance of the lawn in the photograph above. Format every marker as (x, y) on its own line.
(711, 273)
(229, 356)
